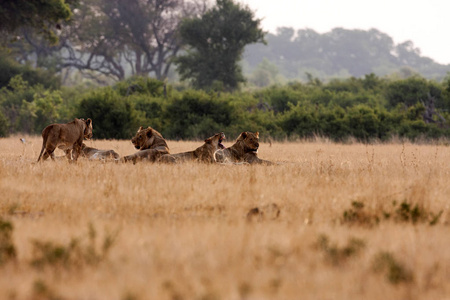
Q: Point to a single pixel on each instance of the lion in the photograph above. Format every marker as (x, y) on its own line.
(93, 153)
(204, 153)
(150, 143)
(68, 137)
(244, 150)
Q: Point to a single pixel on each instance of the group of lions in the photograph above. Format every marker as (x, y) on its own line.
(150, 144)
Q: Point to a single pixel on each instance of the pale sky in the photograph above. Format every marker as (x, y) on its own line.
(425, 23)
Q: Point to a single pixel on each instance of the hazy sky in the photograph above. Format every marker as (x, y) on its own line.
(425, 23)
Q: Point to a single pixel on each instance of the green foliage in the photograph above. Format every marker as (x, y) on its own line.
(113, 116)
(42, 290)
(338, 255)
(43, 15)
(197, 114)
(411, 91)
(30, 108)
(339, 110)
(357, 215)
(7, 248)
(140, 85)
(32, 76)
(4, 125)
(217, 40)
(403, 212)
(395, 271)
(76, 254)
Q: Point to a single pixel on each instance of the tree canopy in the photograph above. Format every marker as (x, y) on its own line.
(45, 16)
(216, 41)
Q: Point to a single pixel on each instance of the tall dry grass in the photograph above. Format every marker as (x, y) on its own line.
(181, 231)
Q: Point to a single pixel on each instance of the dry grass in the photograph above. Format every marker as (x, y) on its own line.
(181, 231)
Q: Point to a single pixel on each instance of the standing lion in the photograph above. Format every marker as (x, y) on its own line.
(68, 137)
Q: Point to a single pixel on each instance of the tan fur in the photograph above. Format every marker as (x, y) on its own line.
(204, 153)
(67, 137)
(96, 154)
(244, 150)
(150, 143)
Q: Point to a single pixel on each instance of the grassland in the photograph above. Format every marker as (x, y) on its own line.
(355, 222)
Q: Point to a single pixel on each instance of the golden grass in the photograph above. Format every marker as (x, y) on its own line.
(182, 231)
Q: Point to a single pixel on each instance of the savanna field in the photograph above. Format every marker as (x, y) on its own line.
(328, 221)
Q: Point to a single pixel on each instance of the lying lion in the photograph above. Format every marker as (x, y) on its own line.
(94, 154)
(68, 137)
(204, 153)
(150, 143)
(244, 150)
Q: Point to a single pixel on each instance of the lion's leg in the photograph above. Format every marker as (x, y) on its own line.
(68, 154)
(45, 155)
(76, 152)
(49, 152)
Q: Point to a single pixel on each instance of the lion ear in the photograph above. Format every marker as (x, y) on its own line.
(88, 122)
(140, 128)
(208, 140)
(149, 132)
(257, 134)
(244, 135)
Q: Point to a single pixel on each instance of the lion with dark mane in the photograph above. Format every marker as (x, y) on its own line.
(150, 143)
(244, 150)
(204, 153)
(67, 137)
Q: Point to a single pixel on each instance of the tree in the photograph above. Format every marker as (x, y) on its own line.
(45, 15)
(118, 38)
(216, 42)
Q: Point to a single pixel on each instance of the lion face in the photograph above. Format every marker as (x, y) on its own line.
(88, 129)
(216, 140)
(143, 138)
(250, 141)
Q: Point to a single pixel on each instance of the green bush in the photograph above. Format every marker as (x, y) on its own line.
(196, 115)
(367, 109)
(34, 76)
(114, 117)
(395, 271)
(4, 125)
(138, 85)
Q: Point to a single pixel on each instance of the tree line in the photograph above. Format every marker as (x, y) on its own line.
(109, 40)
(207, 45)
(44, 40)
(340, 53)
(369, 108)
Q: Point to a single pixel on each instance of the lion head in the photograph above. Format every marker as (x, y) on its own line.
(249, 141)
(88, 128)
(216, 140)
(148, 138)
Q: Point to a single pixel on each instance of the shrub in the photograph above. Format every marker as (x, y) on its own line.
(339, 255)
(113, 117)
(395, 271)
(4, 125)
(75, 254)
(398, 212)
(196, 115)
(7, 248)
